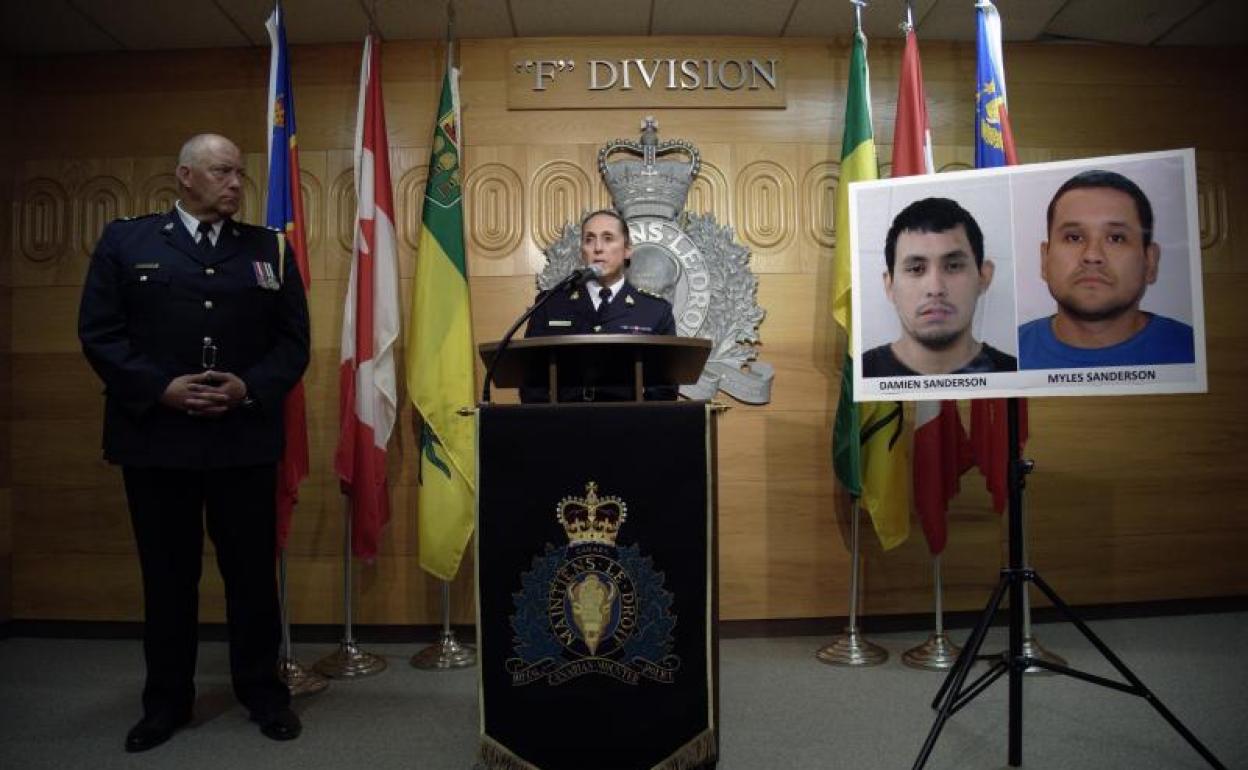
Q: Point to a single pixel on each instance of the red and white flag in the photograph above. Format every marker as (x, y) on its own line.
(942, 451)
(370, 323)
(912, 135)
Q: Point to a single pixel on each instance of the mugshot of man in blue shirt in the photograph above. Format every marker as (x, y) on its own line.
(936, 273)
(1099, 260)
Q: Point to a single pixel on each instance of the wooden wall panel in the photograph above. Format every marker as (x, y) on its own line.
(1133, 498)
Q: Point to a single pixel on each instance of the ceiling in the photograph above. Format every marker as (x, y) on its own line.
(33, 27)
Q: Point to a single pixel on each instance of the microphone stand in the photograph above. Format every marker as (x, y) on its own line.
(580, 274)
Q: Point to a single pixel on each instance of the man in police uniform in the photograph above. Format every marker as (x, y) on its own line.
(608, 304)
(198, 326)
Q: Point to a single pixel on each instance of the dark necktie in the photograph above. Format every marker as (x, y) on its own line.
(205, 239)
(604, 295)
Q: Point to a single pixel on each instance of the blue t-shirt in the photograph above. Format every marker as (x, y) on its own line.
(1161, 341)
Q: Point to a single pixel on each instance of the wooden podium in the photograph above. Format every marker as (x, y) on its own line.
(595, 360)
(596, 562)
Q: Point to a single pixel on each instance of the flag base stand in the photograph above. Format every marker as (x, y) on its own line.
(938, 653)
(299, 680)
(955, 693)
(350, 662)
(850, 649)
(1033, 650)
(445, 654)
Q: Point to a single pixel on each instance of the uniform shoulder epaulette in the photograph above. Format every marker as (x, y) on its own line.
(651, 294)
(139, 217)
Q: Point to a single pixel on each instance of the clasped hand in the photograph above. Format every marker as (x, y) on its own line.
(207, 394)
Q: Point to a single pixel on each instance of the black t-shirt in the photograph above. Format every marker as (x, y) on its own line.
(880, 362)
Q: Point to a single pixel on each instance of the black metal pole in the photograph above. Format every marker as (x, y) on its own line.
(1017, 585)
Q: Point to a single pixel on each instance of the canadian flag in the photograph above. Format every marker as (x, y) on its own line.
(942, 451)
(370, 323)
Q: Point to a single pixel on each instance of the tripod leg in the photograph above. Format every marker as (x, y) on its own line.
(1018, 591)
(966, 658)
(952, 686)
(1117, 663)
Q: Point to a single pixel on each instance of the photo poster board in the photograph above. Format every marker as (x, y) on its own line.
(1010, 204)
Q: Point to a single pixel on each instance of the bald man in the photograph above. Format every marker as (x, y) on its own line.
(198, 326)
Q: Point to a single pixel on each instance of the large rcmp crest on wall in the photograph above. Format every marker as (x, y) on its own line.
(688, 259)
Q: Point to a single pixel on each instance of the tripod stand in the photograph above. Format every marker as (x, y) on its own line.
(955, 693)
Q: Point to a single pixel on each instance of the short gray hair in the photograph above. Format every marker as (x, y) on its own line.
(194, 147)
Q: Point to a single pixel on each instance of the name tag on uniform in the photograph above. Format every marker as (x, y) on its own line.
(147, 266)
(555, 322)
(637, 329)
(266, 277)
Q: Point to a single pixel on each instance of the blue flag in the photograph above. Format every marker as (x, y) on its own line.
(994, 146)
(994, 140)
(284, 212)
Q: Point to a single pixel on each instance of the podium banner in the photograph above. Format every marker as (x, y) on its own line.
(595, 586)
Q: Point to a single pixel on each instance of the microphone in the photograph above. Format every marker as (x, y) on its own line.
(579, 275)
(582, 274)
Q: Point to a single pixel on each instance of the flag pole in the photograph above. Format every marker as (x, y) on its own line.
(849, 648)
(1031, 646)
(858, 6)
(938, 653)
(299, 680)
(447, 652)
(349, 661)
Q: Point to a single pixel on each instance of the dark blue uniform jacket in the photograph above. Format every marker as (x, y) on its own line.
(572, 312)
(155, 307)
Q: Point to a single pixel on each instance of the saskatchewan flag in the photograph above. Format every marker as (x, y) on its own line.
(440, 354)
(870, 446)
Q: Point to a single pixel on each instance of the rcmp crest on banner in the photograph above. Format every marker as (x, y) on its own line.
(688, 259)
(592, 606)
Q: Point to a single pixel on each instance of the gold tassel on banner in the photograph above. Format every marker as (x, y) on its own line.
(696, 753)
(495, 756)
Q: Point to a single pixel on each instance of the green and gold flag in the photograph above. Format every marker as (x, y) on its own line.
(440, 354)
(870, 446)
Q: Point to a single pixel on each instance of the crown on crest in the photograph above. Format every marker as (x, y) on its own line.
(591, 519)
(644, 185)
